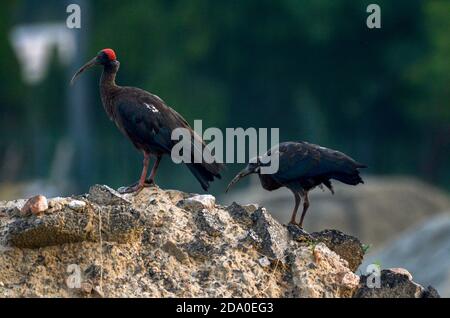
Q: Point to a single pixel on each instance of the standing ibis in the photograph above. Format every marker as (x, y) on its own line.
(147, 121)
(302, 167)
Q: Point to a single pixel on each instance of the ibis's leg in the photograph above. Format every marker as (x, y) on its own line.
(294, 213)
(141, 183)
(305, 208)
(151, 180)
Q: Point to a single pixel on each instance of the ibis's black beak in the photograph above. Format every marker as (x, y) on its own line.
(239, 176)
(89, 64)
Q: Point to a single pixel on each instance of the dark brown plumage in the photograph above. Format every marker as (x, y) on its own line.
(147, 121)
(302, 167)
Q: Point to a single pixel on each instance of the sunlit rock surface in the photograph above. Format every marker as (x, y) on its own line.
(167, 244)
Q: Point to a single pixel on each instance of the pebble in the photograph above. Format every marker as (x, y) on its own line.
(77, 205)
(36, 205)
(198, 202)
(264, 261)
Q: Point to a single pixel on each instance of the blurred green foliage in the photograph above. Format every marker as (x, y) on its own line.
(312, 68)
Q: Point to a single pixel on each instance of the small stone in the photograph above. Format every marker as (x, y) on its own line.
(77, 205)
(86, 287)
(122, 189)
(36, 205)
(350, 279)
(198, 202)
(264, 261)
(346, 246)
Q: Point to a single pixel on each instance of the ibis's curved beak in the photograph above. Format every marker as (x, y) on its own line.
(238, 177)
(89, 64)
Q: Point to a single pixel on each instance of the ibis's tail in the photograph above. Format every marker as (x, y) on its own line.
(350, 175)
(205, 172)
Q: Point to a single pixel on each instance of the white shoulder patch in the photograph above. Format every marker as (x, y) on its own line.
(151, 108)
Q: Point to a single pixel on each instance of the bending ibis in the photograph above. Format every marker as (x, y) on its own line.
(302, 167)
(146, 120)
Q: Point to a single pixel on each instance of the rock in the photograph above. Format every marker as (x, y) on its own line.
(328, 275)
(200, 249)
(98, 292)
(264, 261)
(104, 195)
(119, 225)
(93, 273)
(57, 204)
(430, 292)
(251, 238)
(77, 205)
(347, 247)
(250, 208)
(274, 237)
(36, 205)
(148, 245)
(241, 213)
(174, 250)
(298, 234)
(393, 284)
(209, 223)
(12, 207)
(401, 271)
(423, 250)
(198, 202)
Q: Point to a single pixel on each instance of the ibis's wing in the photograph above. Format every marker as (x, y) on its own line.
(302, 160)
(332, 161)
(295, 161)
(146, 122)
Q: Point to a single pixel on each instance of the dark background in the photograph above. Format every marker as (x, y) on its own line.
(311, 68)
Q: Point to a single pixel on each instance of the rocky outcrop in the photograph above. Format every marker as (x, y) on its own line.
(167, 244)
(424, 248)
(394, 283)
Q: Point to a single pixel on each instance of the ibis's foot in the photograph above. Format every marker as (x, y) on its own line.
(295, 223)
(136, 188)
(147, 184)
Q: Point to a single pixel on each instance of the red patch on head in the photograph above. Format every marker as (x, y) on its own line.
(110, 53)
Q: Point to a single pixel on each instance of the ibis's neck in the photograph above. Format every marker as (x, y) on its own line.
(108, 79)
(108, 88)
